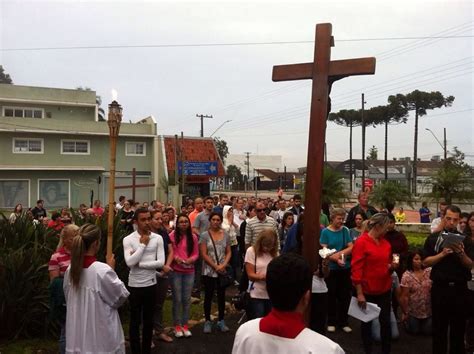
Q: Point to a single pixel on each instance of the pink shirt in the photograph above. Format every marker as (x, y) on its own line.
(60, 260)
(181, 250)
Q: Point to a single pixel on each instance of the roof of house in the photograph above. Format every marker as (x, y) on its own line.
(274, 176)
(193, 149)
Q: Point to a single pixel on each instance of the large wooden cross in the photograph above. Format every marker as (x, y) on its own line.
(323, 72)
(134, 184)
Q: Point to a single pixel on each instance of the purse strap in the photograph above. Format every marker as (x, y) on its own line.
(215, 249)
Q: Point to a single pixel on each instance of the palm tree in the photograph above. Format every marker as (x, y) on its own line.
(388, 193)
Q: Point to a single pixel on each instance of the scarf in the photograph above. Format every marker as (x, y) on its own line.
(282, 324)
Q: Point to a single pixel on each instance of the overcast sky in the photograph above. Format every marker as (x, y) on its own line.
(174, 83)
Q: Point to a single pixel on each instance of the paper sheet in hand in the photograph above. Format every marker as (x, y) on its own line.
(370, 313)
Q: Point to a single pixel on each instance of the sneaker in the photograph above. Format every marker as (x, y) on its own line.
(331, 329)
(178, 332)
(187, 333)
(346, 329)
(207, 327)
(222, 327)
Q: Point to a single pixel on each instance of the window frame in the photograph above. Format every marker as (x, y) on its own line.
(25, 207)
(75, 147)
(135, 142)
(27, 152)
(33, 109)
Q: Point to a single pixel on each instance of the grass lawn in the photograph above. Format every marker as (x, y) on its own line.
(416, 240)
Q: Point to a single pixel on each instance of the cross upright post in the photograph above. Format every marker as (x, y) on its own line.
(323, 72)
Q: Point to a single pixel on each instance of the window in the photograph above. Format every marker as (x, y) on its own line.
(75, 147)
(23, 112)
(135, 149)
(54, 192)
(13, 192)
(27, 146)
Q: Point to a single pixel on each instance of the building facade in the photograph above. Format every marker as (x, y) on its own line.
(53, 147)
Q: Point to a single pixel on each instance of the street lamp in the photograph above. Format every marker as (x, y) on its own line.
(219, 127)
(444, 147)
(115, 118)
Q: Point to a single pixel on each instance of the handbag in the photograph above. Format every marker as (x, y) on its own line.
(241, 300)
(225, 279)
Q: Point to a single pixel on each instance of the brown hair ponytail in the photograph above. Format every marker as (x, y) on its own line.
(87, 235)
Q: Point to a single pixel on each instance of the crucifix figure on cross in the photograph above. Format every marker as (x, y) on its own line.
(324, 73)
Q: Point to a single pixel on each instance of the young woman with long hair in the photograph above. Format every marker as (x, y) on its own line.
(17, 212)
(416, 295)
(287, 221)
(357, 230)
(185, 253)
(257, 259)
(57, 266)
(93, 294)
(215, 252)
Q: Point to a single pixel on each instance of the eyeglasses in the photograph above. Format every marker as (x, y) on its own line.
(259, 210)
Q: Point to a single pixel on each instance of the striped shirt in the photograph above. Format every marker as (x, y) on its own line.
(255, 226)
(60, 260)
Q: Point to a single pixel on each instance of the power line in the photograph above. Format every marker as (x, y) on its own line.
(234, 44)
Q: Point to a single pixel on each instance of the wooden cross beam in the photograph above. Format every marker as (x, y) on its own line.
(134, 184)
(323, 72)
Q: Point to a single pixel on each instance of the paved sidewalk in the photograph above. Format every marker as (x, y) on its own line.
(221, 343)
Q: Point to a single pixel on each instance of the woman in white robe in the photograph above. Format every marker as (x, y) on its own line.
(93, 294)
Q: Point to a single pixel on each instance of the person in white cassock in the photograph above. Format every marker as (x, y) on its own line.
(93, 294)
(283, 330)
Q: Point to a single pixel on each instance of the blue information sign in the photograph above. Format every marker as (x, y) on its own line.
(198, 168)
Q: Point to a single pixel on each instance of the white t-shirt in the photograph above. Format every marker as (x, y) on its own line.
(249, 340)
(259, 290)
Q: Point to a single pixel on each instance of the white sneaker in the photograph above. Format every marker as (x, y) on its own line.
(331, 329)
(347, 329)
(178, 332)
(187, 333)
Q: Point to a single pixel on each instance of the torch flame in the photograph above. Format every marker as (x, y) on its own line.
(114, 94)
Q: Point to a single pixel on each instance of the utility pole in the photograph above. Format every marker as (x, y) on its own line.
(248, 170)
(445, 147)
(183, 163)
(255, 177)
(176, 183)
(284, 186)
(202, 116)
(363, 143)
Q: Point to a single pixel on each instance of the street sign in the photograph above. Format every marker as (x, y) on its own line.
(198, 168)
(369, 183)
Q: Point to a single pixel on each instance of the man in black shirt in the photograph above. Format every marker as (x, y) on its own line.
(451, 269)
(363, 206)
(38, 211)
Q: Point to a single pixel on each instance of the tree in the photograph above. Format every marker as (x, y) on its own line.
(454, 180)
(421, 102)
(393, 113)
(388, 193)
(348, 118)
(4, 78)
(234, 173)
(98, 102)
(373, 152)
(222, 149)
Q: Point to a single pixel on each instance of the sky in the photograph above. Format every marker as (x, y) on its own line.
(176, 59)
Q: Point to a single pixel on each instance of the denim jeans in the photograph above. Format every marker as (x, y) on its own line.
(393, 327)
(182, 286)
(211, 285)
(419, 325)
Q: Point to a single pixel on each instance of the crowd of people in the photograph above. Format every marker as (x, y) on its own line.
(213, 242)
